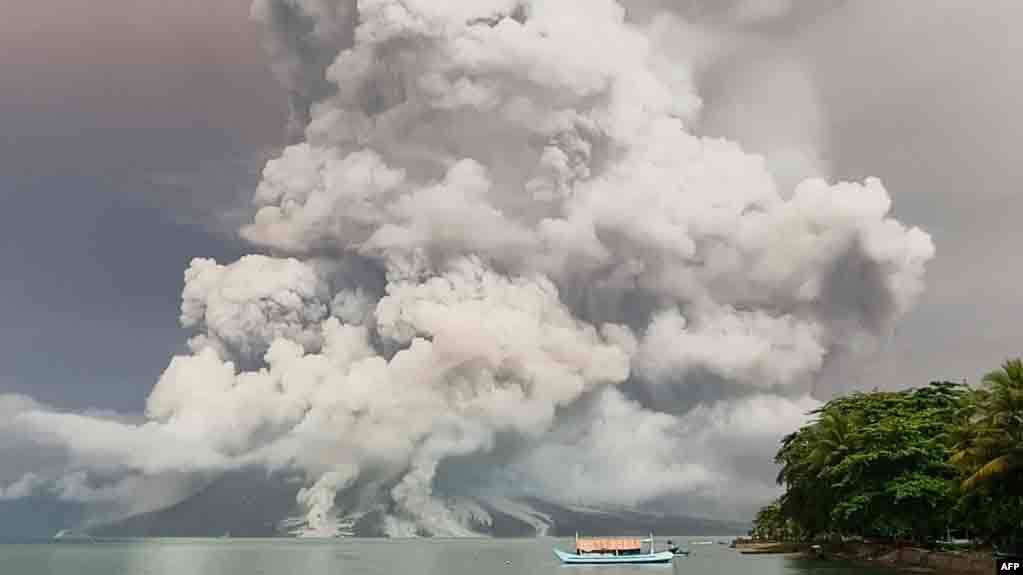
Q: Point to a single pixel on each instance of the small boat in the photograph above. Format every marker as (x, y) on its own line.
(614, 551)
(675, 550)
(71, 535)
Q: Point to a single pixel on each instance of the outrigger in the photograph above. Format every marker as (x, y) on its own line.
(615, 551)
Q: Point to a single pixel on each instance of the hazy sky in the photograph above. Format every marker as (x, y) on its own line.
(924, 94)
(96, 98)
(117, 119)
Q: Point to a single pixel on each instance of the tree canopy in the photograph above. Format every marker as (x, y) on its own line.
(906, 465)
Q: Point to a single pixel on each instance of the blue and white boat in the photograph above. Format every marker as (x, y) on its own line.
(607, 551)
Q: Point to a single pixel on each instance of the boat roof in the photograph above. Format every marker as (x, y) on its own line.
(609, 544)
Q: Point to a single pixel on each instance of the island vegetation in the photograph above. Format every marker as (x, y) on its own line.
(918, 467)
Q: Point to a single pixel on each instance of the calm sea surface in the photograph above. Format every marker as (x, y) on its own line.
(370, 556)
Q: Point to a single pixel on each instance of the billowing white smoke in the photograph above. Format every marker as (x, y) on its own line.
(500, 264)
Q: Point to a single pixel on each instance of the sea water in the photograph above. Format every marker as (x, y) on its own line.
(376, 557)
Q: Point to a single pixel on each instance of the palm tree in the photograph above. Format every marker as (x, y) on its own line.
(992, 446)
(832, 439)
(807, 458)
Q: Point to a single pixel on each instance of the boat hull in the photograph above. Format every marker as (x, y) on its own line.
(601, 559)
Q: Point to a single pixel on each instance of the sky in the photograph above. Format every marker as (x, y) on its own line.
(925, 100)
(110, 115)
(131, 136)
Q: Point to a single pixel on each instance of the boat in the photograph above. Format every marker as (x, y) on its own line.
(72, 535)
(675, 550)
(680, 553)
(614, 551)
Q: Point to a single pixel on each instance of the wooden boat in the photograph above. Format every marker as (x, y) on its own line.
(613, 551)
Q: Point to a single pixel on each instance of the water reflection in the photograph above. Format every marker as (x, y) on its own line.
(375, 557)
(214, 557)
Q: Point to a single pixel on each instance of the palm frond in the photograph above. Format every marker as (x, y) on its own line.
(994, 468)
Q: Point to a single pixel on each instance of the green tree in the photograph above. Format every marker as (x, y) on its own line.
(874, 464)
(807, 499)
(909, 465)
(897, 483)
(833, 438)
(988, 451)
(772, 524)
(991, 448)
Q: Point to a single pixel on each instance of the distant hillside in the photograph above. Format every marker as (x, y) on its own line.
(242, 504)
(252, 504)
(36, 517)
(567, 522)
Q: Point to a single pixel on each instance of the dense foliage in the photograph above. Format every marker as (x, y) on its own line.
(910, 465)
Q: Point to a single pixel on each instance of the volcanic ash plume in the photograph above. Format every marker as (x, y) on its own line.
(497, 265)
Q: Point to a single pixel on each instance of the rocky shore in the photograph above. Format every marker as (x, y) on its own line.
(886, 555)
(912, 558)
(758, 548)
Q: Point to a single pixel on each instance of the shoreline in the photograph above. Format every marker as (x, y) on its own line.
(905, 559)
